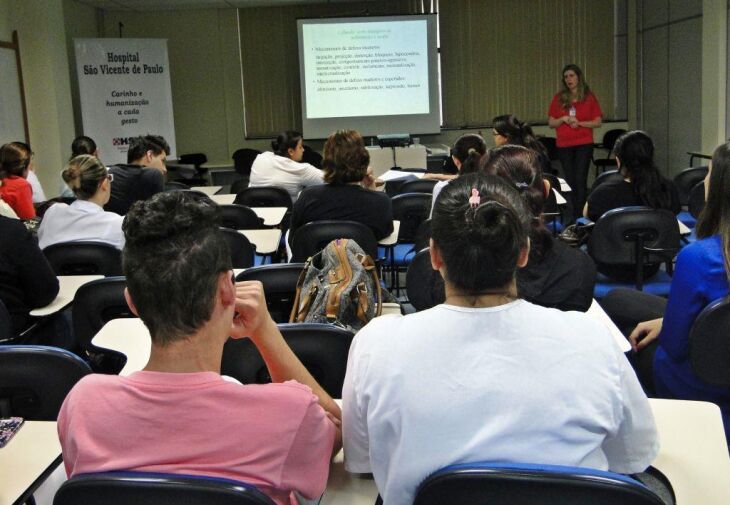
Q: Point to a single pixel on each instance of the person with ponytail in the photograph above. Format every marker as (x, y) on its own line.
(283, 168)
(555, 275)
(661, 340)
(487, 376)
(642, 184)
(507, 129)
(85, 220)
(16, 191)
(466, 154)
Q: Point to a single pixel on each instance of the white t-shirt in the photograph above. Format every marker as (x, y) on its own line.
(514, 383)
(38, 194)
(436, 190)
(269, 169)
(81, 221)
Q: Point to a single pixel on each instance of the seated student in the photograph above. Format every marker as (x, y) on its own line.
(80, 145)
(15, 190)
(39, 195)
(556, 275)
(179, 415)
(349, 194)
(642, 183)
(488, 376)
(466, 153)
(85, 219)
(142, 176)
(284, 168)
(507, 129)
(26, 279)
(661, 338)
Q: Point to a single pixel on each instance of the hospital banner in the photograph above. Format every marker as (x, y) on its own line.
(124, 90)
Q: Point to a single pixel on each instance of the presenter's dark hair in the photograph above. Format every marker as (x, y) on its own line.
(83, 175)
(82, 145)
(517, 132)
(715, 216)
(172, 258)
(345, 158)
(285, 141)
(480, 247)
(14, 159)
(523, 168)
(138, 146)
(582, 92)
(469, 149)
(635, 152)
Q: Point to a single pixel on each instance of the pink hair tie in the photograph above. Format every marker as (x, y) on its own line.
(474, 199)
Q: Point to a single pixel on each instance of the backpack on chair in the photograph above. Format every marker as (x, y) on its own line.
(338, 285)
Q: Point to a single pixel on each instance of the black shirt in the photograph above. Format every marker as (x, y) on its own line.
(26, 279)
(349, 202)
(132, 183)
(619, 193)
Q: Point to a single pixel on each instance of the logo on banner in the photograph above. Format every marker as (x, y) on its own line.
(120, 141)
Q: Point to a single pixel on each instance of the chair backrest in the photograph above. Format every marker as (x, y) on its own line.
(423, 235)
(322, 349)
(6, 329)
(243, 159)
(239, 185)
(417, 186)
(550, 147)
(138, 488)
(696, 201)
(709, 343)
(34, 380)
(515, 484)
(239, 217)
(264, 196)
(280, 286)
(686, 180)
(95, 304)
(84, 258)
(610, 138)
(176, 186)
(608, 175)
(411, 209)
(242, 251)
(312, 157)
(313, 237)
(195, 159)
(424, 285)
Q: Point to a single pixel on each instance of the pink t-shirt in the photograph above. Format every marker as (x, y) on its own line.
(274, 436)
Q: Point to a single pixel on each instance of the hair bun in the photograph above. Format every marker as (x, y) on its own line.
(72, 176)
(496, 223)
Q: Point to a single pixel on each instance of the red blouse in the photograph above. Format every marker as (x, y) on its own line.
(17, 193)
(585, 110)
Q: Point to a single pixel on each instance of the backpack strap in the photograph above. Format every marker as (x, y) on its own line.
(296, 314)
(339, 278)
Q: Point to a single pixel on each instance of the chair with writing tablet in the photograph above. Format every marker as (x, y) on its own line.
(417, 186)
(84, 258)
(143, 488)
(709, 343)
(424, 285)
(239, 217)
(243, 160)
(311, 238)
(607, 143)
(242, 251)
(280, 286)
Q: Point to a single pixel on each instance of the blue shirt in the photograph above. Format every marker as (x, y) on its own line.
(699, 279)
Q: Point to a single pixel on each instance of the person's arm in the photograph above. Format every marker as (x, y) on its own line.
(356, 438)
(24, 202)
(312, 176)
(554, 122)
(593, 123)
(585, 210)
(439, 177)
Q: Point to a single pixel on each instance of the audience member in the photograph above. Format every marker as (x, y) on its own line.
(556, 275)
(39, 195)
(661, 340)
(15, 158)
(80, 145)
(142, 176)
(507, 129)
(487, 376)
(284, 168)
(178, 415)
(26, 279)
(642, 184)
(349, 194)
(466, 154)
(85, 219)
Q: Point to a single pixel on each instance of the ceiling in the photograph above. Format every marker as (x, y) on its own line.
(157, 5)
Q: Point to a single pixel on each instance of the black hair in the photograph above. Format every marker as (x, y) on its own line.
(172, 258)
(14, 159)
(715, 216)
(480, 246)
(469, 149)
(635, 151)
(523, 168)
(82, 145)
(285, 141)
(518, 133)
(138, 146)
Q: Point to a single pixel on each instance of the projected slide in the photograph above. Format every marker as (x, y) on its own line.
(365, 68)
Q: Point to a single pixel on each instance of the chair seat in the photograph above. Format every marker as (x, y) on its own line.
(658, 284)
(687, 219)
(402, 256)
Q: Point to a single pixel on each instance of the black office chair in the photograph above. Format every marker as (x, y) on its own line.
(312, 157)
(176, 186)
(6, 328)
(280, 285)
(239, 217)
(313, 237)
(140, 488)
(34, 380)
(636, 239)
(95, 304)
(696, 200)
(238, 186)
(417, 186)
(196, 160)
(709, 343)
(322, 349)
(84, 258)
(243, 159)
(411, 209)
(550, 147)
(242, 251)
(522, 484)
(424, 285)
(607, 143)
(608, 175)
(686, 180)
(264, 196)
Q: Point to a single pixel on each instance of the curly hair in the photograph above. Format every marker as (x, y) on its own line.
(345, 158)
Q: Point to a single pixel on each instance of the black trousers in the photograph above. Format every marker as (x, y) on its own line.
(575, 161)
(627, 308)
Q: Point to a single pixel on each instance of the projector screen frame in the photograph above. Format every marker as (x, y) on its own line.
(370, 126)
